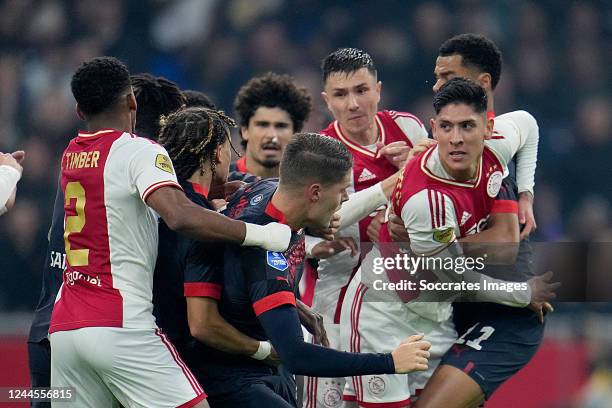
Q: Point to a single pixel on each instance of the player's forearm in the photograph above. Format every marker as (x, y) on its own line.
(283, 328)
(364, 202)
(205, 225)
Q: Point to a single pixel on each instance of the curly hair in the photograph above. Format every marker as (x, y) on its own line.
(273, 91)
(197, 98)
(346, 60)
(98, 83)
(191, 137)
(155, 96)
(477, 51)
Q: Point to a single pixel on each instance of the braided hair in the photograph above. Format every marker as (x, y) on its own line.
(191, 137)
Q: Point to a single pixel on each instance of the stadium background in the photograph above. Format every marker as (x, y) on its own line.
(556, 66)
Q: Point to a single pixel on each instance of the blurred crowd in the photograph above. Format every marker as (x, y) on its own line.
(556, 66)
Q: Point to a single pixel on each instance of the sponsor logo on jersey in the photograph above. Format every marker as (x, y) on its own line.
(466, 216)
(164, 163)
(277, 260)
(444, 236)
(256, 200)
(366, 175)
(494, 183)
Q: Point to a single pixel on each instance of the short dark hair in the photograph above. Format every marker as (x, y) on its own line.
(461, 90)
(347, 60)
(191, 137)
(98, 83)
(314, 157)
(477, 51)
(155, 96)
(197, 98)
(273, 91)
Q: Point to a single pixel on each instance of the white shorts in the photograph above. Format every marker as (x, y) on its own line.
(109, 366)
(379, 327)
(320, 392)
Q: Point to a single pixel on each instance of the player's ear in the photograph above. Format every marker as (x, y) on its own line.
(378, 89)
(326, 99)
(434, 129)
(313, 193)
(131, 101)
(244, 133)
(79, 112)
(489, 128)
(485, 80)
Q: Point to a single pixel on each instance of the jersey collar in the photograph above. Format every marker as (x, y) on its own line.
(355, 146)
(241, 165)
(83, 133)
(200, 189)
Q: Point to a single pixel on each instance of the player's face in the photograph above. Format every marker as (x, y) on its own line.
(224, 158)
(329, 200)
(451, 67)
(268, 133)
(461, 132)
(353, 99)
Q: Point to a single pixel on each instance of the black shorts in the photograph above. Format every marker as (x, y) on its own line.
(39, 360)
(229, 387)
(494, 342)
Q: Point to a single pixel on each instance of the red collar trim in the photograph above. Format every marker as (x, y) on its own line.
(490, 114)
(275, 213)
(200, 189)
(241, 165)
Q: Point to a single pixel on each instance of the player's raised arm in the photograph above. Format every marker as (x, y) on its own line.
(185, 217)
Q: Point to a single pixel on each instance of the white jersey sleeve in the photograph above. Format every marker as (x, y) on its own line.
(8, 180)
(150, 168)
(429, 217)
(517, 133)
(411, 126)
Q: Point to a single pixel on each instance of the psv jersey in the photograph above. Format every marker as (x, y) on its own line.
(110, 233)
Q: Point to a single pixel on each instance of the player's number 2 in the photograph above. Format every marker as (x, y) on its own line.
(75, 224)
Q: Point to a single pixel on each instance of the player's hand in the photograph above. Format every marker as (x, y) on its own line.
(374, 226)
(225, 190)
(420, 147)
(273, 359)
(526, 216)
(411, 355)
(313, 322)
(397, 230)
(272, 236)
(542, 289)
(326, 249)
(396, 152)
(13, 161)
(539, 308)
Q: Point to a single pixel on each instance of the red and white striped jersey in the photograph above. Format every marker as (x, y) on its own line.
(367, 169)
(110, 233)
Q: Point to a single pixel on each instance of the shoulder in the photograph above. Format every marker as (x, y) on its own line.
(249, 203)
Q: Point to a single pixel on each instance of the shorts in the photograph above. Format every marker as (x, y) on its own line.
(379, 327)
(108, 366)
(496, 342)
(320, 392)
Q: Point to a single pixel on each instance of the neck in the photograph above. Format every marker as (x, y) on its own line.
(366, 137)
(258, 169)
(293, 209)
(103, 121)
(202, 179)
(490, 101)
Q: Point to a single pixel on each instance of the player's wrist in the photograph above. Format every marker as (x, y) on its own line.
(263, 351)
(273, 236)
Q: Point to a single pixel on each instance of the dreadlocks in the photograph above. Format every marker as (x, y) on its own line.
(191, 137)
